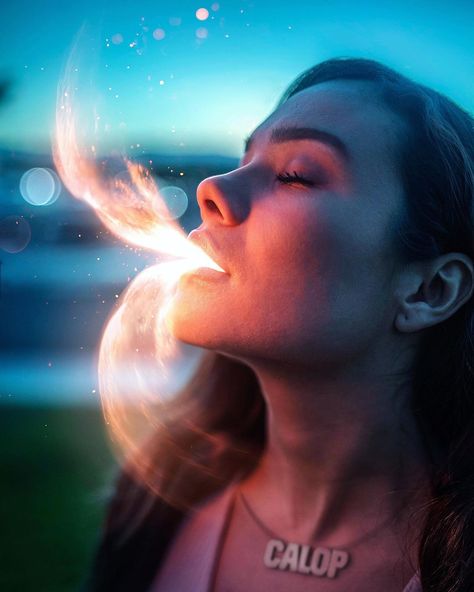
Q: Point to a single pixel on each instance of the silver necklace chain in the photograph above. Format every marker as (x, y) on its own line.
(366, 536)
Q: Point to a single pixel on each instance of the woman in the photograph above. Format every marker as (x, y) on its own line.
(327, 442)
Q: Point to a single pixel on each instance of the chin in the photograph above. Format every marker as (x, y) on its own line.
(199, 311)
(189, 323)
(203, 328)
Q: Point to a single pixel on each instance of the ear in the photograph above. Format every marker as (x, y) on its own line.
(430, 292)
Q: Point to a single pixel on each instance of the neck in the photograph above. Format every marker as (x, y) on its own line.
(342, 455)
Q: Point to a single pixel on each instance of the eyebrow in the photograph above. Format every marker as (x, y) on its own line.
(289, 134)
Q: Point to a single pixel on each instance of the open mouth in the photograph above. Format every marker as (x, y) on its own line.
(203, 240)
(204, 275)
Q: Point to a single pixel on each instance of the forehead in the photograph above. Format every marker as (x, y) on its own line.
(350, 110)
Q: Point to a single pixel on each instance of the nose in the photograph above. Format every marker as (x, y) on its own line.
(222, 200)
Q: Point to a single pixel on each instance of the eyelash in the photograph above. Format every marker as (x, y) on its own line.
(289, 178)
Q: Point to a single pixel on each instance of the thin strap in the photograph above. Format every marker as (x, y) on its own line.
(222, 537)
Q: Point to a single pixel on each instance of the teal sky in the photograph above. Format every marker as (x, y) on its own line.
(204, 91)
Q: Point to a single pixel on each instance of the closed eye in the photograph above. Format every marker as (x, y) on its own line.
(294, 178)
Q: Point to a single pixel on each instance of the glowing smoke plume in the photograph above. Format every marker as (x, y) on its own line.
(139, 360)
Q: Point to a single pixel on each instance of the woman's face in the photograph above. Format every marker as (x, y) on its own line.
(305, 229)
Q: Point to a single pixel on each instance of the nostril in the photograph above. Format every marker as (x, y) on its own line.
(213, 207)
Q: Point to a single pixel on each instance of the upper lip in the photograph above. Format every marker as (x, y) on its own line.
(207, 243)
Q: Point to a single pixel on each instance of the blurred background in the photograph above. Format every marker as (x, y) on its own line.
(178, 85)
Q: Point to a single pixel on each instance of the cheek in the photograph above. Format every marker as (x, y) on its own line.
(283, 288)
(265, 303)
(325, 283)
(309, 286)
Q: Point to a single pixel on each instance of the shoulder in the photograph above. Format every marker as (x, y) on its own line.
(414, 585)
(190, 559)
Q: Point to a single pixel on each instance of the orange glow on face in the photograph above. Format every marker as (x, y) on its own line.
(140, 362)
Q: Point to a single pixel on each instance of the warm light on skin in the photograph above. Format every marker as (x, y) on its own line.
(311, 265)
(310, 305)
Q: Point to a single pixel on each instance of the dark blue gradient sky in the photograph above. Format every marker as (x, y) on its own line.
(204, 90)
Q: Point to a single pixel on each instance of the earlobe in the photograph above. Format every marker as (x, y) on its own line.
(401, 321)
(410, 295)
(411, 318)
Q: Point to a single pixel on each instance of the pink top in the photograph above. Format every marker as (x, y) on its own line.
(191, 567)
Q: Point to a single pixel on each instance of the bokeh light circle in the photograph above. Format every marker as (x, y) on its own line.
(202, 14)
(176, 201)
(40, 186)
(159, 34)
(201, 33)
(15, 234)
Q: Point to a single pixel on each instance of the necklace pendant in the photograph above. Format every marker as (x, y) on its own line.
(304, 559)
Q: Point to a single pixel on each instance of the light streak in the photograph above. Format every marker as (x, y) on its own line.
(140, 363)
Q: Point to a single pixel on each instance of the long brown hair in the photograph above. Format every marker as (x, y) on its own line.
(216, 428)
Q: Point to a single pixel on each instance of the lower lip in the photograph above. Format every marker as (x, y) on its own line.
(206, 274)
